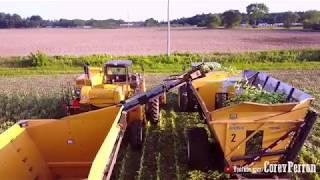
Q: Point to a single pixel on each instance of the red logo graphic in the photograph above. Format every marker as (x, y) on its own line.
(228, 169)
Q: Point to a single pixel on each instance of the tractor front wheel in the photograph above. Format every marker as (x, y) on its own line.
(136, 134)
(198, 149)
(153, 111)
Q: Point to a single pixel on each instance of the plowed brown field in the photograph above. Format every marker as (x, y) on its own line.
(149, 40)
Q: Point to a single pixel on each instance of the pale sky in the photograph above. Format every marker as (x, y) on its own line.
(135, 10)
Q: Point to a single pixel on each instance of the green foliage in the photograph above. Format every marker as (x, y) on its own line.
(213, 21)
(309, 156)
(5, 125)
(35, 21)
(151, 22)
(290, 18)
(18, 106)
(40, 63)
(197, 175)
(109, 23)
(199, 20)
(231, 18)
(254, 94)
(210, 175)
(311, 20)
(256, 11)
(215, 175)
(39, 59)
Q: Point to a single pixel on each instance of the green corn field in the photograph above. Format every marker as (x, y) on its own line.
(163, 155)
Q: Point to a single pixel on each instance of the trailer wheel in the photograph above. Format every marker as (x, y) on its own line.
(183, 98)
(153, 112)
(136, 134)
(198, 149)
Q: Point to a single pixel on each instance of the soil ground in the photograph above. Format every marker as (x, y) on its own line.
(126, 41)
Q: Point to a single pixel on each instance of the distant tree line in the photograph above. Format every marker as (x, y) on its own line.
(256, 14)
(16, 21)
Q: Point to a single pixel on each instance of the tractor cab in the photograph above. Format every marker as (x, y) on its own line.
(117, 71)
(106, 86)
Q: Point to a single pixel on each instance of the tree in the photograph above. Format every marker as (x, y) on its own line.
(311, 19)
(151, 22)
(35, 21)
(3, 20)
(257, 11)
(289, 18)
(231, 18)
(79, 22)
(213, 21)
(16, 21)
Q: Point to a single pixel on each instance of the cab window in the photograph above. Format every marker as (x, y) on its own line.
(116, 71)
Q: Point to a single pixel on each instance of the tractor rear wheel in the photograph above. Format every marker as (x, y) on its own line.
(136, 134)
(153, 112)
(183, 98)
(198, 149)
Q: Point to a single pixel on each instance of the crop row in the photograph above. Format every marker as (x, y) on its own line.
(40, 59)
(164, 153)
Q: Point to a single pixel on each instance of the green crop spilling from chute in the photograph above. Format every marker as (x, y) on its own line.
(249, 93)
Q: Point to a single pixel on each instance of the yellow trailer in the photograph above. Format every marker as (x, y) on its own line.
(246, 134)
(74, 147)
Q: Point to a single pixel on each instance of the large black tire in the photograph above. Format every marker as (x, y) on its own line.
(198, 149)
(136, 134)
(153, 111)
(183, 98)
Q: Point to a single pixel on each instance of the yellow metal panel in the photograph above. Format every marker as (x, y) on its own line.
(102, 95)
(96, 76)
(10, 134)
(252, 111)
(136, 113)
(82, 80)
(11, 164)
(102, 158)
(20, 158)
(70, 172)
(213, 83)
(74, 139)
(236, 134)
